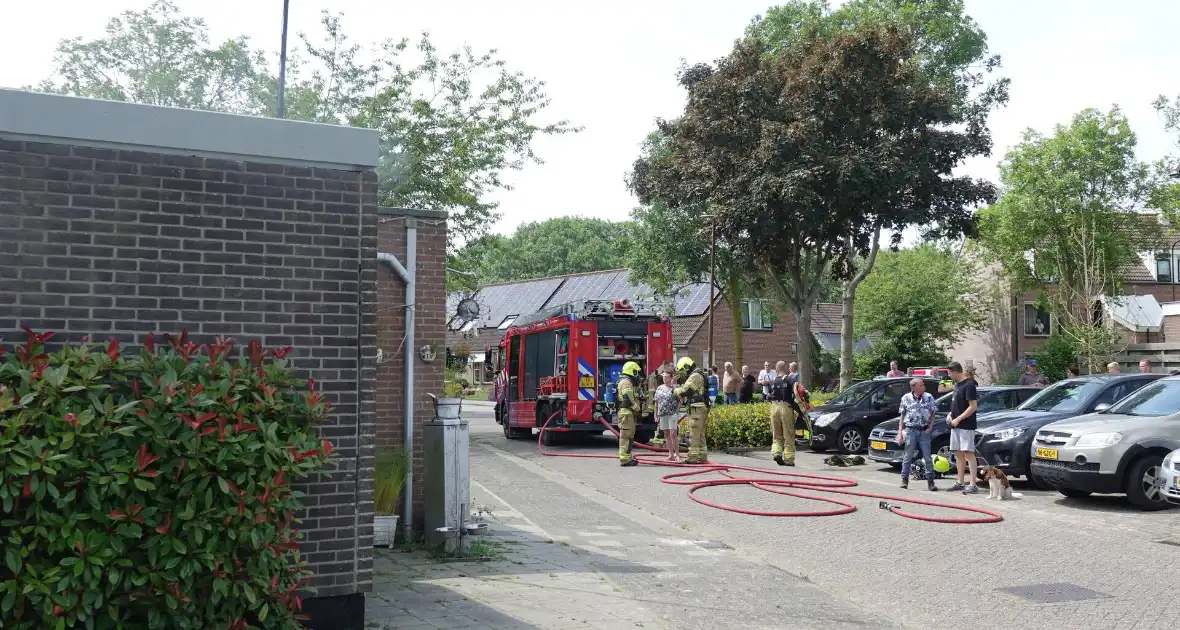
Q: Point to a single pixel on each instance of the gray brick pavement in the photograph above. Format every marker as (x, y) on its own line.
(901, 570)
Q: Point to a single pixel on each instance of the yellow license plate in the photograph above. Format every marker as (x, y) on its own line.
(1176, 482)
(878, 446)
(1045, 453)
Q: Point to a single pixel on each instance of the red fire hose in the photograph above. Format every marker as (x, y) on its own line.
(778, 483)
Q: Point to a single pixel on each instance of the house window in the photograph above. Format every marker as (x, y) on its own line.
(1037, 322)
(507, 322)
(1163, 268)
(756, 314)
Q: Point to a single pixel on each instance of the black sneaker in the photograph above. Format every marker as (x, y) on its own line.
(778, 459)
(630, 462)
(905, 484)
(930, 486)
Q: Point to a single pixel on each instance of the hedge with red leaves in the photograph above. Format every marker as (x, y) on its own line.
(152, 490)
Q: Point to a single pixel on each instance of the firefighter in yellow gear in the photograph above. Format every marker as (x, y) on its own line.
(630, 403)
(782, 416)
(693, 393)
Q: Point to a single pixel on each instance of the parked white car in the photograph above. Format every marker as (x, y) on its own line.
(1170, 477)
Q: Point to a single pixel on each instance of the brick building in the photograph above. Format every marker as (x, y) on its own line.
(767, 333)
(1146, 314)
(428, 230)
(120, 220)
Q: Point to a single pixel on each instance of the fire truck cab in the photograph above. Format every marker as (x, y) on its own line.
(566, 360)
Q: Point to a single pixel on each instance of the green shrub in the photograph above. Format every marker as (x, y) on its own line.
(737, 426)
(153, 490)
(822, 398)
(1054, 356)
(389, 475)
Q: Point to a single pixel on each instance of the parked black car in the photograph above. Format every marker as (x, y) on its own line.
(1007, 442)
(883, 439)
(845, 421)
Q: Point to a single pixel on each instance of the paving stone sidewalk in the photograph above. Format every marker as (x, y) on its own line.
(532, 581)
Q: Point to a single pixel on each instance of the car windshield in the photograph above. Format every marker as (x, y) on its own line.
(1161, 398)
(854, 393)
(1065, 396)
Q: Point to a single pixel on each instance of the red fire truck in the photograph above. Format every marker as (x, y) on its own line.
(566, 360)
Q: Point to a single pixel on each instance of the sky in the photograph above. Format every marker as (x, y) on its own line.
(611, 67)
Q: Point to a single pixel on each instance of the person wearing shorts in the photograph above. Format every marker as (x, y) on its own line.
(668, 412)
(961, 421)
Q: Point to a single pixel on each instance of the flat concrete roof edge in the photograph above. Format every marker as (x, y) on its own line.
(86, 121)
(412, 212)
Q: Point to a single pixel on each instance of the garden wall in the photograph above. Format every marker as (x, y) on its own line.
(120, 220)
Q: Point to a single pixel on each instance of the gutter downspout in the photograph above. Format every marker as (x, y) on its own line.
(408, 276)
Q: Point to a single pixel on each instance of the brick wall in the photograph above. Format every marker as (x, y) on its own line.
(121, 243)
(758, 346)
(430, 328)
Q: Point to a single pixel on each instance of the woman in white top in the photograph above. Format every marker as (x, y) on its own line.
(668, 411)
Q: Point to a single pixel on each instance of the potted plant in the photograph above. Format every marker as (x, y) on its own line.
(389, 476)
(463, 350)
(448, 404)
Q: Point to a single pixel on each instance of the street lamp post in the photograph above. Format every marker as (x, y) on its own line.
(712, 283)
(283, 62)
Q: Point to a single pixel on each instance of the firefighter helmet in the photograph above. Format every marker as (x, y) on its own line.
(685, 363)
(941, 464)
(631, 368)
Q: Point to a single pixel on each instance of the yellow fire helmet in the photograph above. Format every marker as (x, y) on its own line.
(631, 368)
(941, 464)
(685, 363)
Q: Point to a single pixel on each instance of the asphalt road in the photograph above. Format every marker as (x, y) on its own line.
(1069, 563)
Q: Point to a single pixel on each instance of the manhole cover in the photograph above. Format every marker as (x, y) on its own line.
(712, 544)
(1053, 593)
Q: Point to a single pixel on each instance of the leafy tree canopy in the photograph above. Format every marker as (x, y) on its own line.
(920, 300)
(1068, 215)
(557, 246)
(451, 124)
(803, 155)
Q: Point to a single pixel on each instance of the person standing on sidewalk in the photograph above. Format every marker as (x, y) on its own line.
(730, 382)
(913, 431)
(961, 420)
(668, 412)
(782, 417)
(630, 403)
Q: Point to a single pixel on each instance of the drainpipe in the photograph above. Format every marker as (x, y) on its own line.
(408, 276)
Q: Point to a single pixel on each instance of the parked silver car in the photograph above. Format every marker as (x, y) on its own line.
(1120, 450)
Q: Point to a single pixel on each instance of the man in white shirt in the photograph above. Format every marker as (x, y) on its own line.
(765, 379)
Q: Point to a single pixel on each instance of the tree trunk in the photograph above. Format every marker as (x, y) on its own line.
(735, 313)
(848, 301)
(804, 341)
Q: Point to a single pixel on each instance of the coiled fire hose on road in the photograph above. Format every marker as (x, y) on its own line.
(785, 483)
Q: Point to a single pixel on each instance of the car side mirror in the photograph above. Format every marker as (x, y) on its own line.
(1100, 407)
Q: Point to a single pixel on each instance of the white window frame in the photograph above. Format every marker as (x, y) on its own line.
(1165, 258)
(748, 308)
(1027, 327)
(507, 322)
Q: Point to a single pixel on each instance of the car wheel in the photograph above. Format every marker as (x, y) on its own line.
(1141, 489)
(1074, 494)
(644, 437)
(941, 447)
(817, 448)
(851, 440)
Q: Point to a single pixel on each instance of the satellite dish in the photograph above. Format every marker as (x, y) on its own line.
(467, 310)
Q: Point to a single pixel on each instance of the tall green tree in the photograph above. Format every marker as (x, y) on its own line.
(451, 124)
(558, 246)
(803, 155)
(916, 303)
(1070, 218)
(950, 50)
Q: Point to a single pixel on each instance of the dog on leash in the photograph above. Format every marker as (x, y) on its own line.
(998, 486)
